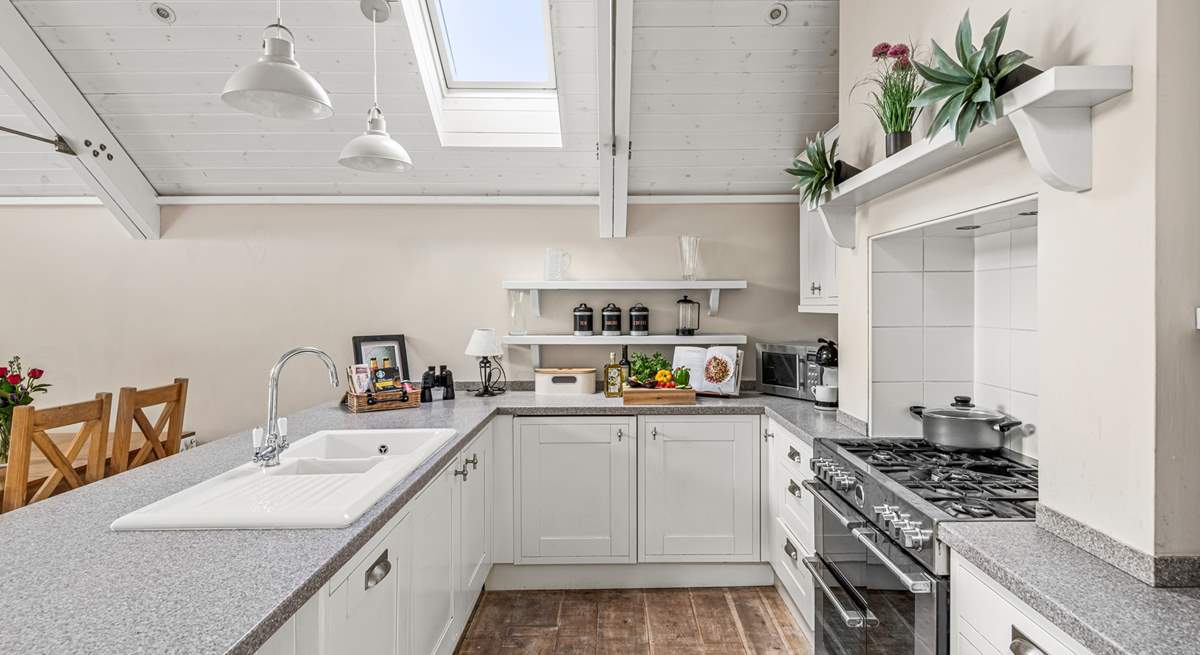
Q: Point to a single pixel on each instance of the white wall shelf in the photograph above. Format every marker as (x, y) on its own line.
(713, 287)
(536, 341)
(1050, 114)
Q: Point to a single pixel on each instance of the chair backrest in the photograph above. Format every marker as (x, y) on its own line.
(162, 437)
(29, 426)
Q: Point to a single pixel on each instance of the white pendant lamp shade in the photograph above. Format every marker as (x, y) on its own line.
(374, 151)
(275, 86)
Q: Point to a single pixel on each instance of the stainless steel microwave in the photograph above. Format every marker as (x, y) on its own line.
(789, 369)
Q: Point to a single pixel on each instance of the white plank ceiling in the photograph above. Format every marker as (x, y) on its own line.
(721, 101)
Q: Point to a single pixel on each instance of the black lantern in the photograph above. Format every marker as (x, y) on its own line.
(689, 317)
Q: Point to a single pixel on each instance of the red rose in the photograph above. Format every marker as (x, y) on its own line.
(898, 50)
(3, 371)
(881, 50)
(14, 379)
(35, 373)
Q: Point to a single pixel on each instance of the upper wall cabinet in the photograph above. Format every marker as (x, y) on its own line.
(818, 266)
(1051, 114)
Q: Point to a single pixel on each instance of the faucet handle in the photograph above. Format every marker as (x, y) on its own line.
(281, 423)
(257, 436)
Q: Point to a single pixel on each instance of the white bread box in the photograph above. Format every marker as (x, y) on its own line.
(564, 381)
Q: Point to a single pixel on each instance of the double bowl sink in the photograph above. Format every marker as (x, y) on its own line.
(325, 480)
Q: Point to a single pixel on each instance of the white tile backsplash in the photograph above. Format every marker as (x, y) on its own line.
(993, 360)
(1024, 358)
(1024, 299)
(896, 354)
(896, 254)
(949, 299)
(941, 394)
(949, 254)
(987, 396)
(992, 251)
(948, 354)
(889, 409)
(1024, 439)
(1024, 247)
(896, 299)
(993, 303)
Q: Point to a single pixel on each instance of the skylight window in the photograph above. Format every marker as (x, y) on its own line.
(493, 45)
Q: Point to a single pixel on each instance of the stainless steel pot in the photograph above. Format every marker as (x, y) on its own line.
(962, 426)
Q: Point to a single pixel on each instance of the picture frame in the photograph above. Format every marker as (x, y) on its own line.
(382, 346)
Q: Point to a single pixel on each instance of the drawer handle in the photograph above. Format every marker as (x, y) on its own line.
(620, 434)
(654, 433)
(463, 472)
(767, 434)
(1020, 646)
(791, 550)
(378, 571)
(794, 489)
(794, 455)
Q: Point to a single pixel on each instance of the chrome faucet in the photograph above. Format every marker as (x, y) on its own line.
(268, 449)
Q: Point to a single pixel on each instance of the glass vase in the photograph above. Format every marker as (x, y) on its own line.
(518, 312)
(4, 432)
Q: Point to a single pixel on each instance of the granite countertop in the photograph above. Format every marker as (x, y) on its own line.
(69, 584)
(1102, 607)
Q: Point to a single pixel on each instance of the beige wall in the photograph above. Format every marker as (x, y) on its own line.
(1096, 252)
(228, 289)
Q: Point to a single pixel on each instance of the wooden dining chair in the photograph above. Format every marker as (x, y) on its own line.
(162, 437)
(29, 426)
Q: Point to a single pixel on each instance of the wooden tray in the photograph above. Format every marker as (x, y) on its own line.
(380, 401)
(637, 396)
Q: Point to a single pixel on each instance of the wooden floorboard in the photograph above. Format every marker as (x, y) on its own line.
(708, 621)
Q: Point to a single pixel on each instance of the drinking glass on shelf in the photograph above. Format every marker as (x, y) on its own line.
(557, 261)
(689, 255)
(518, 312)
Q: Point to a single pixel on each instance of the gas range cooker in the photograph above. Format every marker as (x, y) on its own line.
(905, 488)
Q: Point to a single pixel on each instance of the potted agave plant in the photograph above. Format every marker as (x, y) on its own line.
(896, 84)
(968, 87)
(818, 171)
(16, 389)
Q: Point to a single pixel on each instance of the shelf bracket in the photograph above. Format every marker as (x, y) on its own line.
(535, 353)
(714, 301)
(839, 222)
(1058, 143)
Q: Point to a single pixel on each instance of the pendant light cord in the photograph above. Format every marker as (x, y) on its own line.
(374, 63)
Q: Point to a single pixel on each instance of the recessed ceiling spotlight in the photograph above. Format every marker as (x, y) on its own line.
(775, 14)
(1032, 212)
(968, 227)
(163, 12)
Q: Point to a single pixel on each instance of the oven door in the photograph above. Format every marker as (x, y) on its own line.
(841, 617)
(905, 610)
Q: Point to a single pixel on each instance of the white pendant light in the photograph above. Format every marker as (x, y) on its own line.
(275, 86)
(375, 151)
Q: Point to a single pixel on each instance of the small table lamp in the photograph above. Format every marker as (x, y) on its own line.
(485, 346)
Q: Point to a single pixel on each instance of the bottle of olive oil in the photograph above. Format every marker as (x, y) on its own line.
(614, 377)
(625, 361)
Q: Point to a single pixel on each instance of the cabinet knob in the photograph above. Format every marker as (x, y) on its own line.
(814, 288)
(474, 461)
(654, 433)
(767, 434)
(620, 434)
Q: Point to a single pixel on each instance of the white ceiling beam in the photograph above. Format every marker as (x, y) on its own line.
(557, 201)
(731, 199)
(622, 101)
(38, 85)
(605, 144)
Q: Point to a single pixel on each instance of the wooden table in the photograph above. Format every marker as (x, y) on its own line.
(40, 468)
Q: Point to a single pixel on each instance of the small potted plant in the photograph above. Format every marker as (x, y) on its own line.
(968, 87)
(15, 390)
(818, 171)
(896, 84)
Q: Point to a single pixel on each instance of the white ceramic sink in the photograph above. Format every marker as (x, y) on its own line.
(325, 480)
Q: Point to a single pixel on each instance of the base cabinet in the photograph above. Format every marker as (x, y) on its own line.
(434, 577)
(474, 501)
(790, 509)
(698, 481)
(575, 489)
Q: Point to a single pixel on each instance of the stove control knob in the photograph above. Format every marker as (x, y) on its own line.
(887, 517)
(843, 482)
(916, 538)
(880, 510)
(901, 524)
(817, 463)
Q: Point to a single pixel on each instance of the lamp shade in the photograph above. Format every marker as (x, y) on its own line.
(483, 343)
(375, 151)
(276, 87)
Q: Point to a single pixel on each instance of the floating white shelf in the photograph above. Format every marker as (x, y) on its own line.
(713, 287)
(536, 341)
(1051, 114)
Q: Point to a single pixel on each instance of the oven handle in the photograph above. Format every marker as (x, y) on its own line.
(920, 585)
(853, 619)
(815, 489)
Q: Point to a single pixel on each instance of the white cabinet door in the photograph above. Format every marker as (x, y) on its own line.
(575, 489)
(699, 488)
(791, 519)
(818, 262)
(434, 576)
(363, 612)
(475, 520)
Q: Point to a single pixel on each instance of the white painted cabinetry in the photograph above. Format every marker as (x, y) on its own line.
(699, 481)
(474, 501)
(818, 265)
(575, 489)
(434, 576)
(790, 510)
(987, 619)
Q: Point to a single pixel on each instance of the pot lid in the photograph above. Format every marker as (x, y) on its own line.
(962, 409)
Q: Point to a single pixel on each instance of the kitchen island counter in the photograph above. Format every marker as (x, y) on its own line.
(69, 584)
